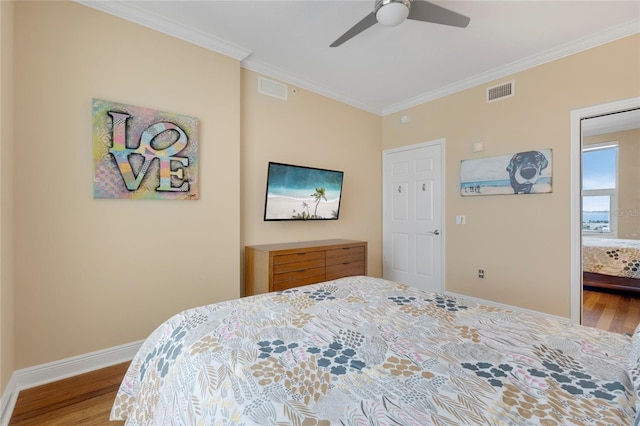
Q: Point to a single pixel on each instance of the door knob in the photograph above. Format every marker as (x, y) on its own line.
(436, 232)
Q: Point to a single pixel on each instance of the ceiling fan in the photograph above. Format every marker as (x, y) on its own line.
(392, 12)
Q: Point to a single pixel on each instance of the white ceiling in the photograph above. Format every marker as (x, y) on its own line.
(384, 70)
(618, 122)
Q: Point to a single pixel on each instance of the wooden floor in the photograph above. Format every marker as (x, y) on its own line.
(81, 400)
(617, 312)
(86, 399)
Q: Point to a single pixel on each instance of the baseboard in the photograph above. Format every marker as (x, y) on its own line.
(508, 307)
(8, 401)
(57, 370)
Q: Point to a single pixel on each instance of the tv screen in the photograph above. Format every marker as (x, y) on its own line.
(302, 193)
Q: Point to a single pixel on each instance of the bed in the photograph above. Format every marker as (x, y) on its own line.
(362, 350)
(611, 263)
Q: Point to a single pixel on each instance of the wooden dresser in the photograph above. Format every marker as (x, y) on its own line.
(276, 267)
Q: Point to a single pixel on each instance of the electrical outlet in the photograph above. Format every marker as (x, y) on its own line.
(480, 273)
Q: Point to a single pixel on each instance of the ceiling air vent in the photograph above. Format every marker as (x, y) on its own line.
(272, 88)
(501, 91)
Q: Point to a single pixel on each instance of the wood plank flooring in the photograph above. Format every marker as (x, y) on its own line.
(86, 399)
(617, 312)
(81, 400)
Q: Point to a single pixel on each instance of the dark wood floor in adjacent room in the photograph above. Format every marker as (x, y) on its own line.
(86, 399)
(617, 312)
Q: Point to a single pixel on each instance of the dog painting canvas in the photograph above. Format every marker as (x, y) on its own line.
(526, 172)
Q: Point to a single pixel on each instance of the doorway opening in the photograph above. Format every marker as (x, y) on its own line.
(605, 177)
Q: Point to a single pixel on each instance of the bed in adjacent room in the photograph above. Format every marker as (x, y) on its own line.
(611, 263)
(361, 350)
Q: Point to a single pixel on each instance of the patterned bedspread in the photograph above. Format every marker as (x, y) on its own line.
(620, 258)
(361, 351)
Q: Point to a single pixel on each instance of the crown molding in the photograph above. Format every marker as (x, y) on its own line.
(294, 80)
(132, 13)
(585, 43)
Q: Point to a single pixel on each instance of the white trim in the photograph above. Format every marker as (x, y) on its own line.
(576, 116)
(57, 370)
(507, 307)
(8, 401)
(442, 143)
(599, 146)
(131, 12)
(585, 43)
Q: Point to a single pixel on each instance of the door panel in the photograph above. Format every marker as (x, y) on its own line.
(424, 200)
(424, 251)
(400, 253)
(400, 201)
(424, 165)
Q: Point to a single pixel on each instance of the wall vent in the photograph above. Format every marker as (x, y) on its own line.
(272, 88)
(501, 91)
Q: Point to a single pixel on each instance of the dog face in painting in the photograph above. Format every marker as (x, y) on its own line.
(524, 170)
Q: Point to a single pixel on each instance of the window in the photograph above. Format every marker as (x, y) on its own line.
(599, 189)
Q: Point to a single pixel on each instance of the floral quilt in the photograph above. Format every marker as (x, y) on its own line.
(366, 351)
(610, 256)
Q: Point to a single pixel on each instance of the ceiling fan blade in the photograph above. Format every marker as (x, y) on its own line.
(428, 12)
(365, 23)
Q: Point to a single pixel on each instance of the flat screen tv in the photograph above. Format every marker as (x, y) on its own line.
(302, 193)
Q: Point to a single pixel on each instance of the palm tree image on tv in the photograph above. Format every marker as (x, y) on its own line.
(304, 215)
(302, 193)
(318, 196)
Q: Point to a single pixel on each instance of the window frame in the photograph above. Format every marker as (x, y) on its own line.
(612, 193)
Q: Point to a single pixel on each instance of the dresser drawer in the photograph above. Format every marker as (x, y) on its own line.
(290, 262)
(346, 254)
(298, 278)
(297, 263)
(345, 269)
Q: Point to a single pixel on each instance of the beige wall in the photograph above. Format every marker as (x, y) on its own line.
(6, 194)
(628, 211)
(91, 274)
(522, 242)
(311, 130)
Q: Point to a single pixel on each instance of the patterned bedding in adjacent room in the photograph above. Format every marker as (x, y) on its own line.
(610, 256)
(365, 351)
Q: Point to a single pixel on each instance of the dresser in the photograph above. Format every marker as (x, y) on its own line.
(276, 267)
